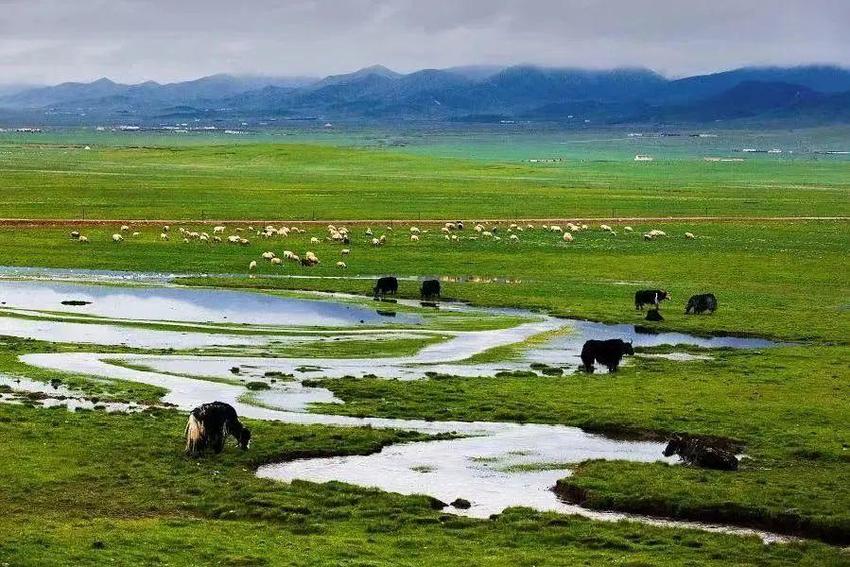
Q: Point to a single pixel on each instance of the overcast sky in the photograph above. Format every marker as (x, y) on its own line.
(49, 41)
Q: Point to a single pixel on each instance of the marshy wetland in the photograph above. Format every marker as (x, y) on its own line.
(371, 418)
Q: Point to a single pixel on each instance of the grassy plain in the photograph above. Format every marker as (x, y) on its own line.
(786, 280)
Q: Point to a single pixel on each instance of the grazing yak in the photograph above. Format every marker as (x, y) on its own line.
(701, 303)
(607, 353)
(650, 297)
(210, 424)
(430, 289)
(387, 285)
(701, 452)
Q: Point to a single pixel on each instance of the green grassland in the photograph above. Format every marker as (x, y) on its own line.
(272, 181)
(786, 280)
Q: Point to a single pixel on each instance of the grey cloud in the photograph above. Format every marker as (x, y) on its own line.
(134, 40)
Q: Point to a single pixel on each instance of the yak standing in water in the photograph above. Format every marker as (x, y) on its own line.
(430, 289)
(210, 424)
(607, 353)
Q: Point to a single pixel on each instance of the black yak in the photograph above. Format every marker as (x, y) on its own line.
(210, 424)
(701, 452)
(701, 303)
(607, 353)
(654, 315)
(387, 285)
(650, 297)
(430, 289)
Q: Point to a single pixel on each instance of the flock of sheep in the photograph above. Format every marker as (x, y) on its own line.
(450, 231)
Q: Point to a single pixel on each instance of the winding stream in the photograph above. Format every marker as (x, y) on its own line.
(493, 465)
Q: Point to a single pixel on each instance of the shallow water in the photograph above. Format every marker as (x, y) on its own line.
(495, 465)
(162, 303)
(58, 396)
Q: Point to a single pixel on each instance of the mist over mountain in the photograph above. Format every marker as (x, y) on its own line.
(782, 96)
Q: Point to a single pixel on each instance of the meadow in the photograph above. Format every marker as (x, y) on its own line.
(116, 487)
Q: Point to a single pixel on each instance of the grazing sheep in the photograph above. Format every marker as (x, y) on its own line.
(218, 230)
(205, 237)
(414, 237)
(252, 265)
(244, 241)
(568, 237)
(628, 229)
(276, 261)
(479, 228)
(605, 227)
(414, 230)
(216, 239)
(369, 232)
(584, 227)
(655, 232)
(233, 239)
(648, 236)
(75, 235)
(314, 240)
(310, 259)
(514, 238)
(124, 228)
(268, 255)
(345, 251)
(83, 239)
(166, 228)
(455, 238)
(689, 235)
(556, 228)
(288, 254)
(445, 230)
(117, 237)
(341, 265)
(137, 234)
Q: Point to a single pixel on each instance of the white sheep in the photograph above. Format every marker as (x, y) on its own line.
(369, 232)
(276, 261)
(117, 237)
(568, 237)
(233, 239)
(205, 237)
(252, 265)
(166, 228)
(345, 251)
(314, 240)
(75, 235)
(216, 239)
(83, 239)
(268, 255)
(414, 230)
(690, 235)
(556, 228)
(414, 237)
(218, 230)
(124, 228)
(628, 229)
(605, 227)
(376, 242)
(341, 265)
(514, 238)
(287, 254)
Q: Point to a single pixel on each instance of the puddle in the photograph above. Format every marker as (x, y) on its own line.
(57, 396)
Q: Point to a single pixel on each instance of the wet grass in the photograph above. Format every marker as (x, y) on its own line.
(90, 488)
(789, 405)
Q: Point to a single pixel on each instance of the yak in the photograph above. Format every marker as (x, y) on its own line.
(650, 297)
(702, 452)
(430, 289)
(701, 303)
(210, 424)
(386, 286)
(607, 353)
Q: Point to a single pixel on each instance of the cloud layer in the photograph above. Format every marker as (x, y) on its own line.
(50, 41)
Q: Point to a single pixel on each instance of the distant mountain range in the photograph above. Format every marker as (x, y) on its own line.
(805, 95)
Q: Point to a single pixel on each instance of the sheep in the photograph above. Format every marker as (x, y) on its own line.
(166, 228)
(605, 227)
(276, 261)
(628, 229)
(244, 241)
(648, 236)
(369, 232)
(690, 235)
(252, 265)
(556, 228)
(414, 230)
(268, 255)
(233, 239)
(656, 232)
(529, 226)
(455, 238)
(288, 255)
(83, 239)
(514, 238)
(572, 227)
(584, 227)
(486, 234)
(447, 237)
(216, 239)
(185, 241)
(75, 235)
(314, 240)
(445, 230)
(479, 228)
(376, 242)
(205, 237)
(414, 237)
(310, 259)
(568, 237)
(341, 265)
(137, 234)
(117, 237)
(124, 228)
(218, 230)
